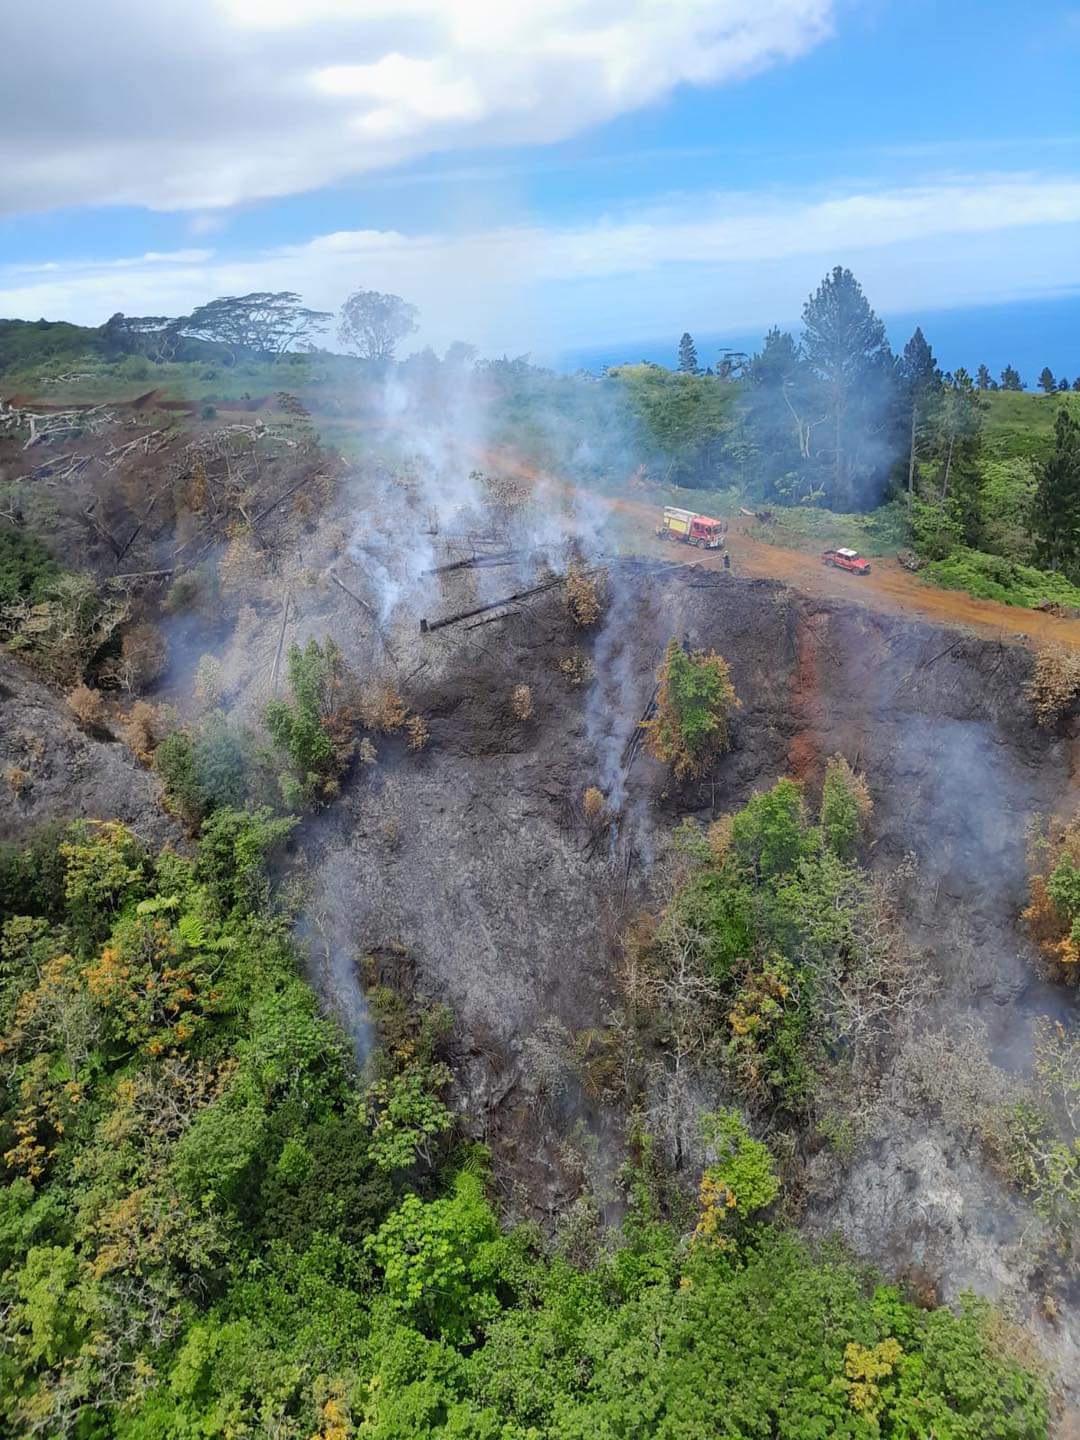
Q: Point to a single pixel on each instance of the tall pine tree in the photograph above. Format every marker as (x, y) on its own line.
(957, 440)
(984, 380)
(920, 382)
(1010, 379)
(781, 407)
(1056, 512)
(1047, 383)
(688, 362)
(847, 348)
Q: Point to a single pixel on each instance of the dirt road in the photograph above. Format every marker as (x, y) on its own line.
(888, 586)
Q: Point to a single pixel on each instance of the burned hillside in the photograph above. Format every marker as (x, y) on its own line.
(441, 664)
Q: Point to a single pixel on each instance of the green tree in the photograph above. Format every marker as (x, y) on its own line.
(845, 806)
(956, 424)
(262, 323)
(1010, 379)
(1056, 511)
(694, 703)
(740, 1178)
(372, 324)
(1063, 384)
(232, 850)
(1047, 383)
(984, 380)
(302, 726)
(686, 419)
(406, 1116)
(440, 1259)
(688, 361)
(27, 570)
(846, 346)
(919, 379)
(768, 834)
(781, 406)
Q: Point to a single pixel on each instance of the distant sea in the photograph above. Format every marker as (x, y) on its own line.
(1026, 333)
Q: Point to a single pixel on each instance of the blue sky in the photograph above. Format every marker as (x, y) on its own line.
(549, 176)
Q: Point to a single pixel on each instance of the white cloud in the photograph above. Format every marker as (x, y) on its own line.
(742, 260)
(197, 104)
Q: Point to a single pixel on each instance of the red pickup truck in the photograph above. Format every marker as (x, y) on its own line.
(847, 560)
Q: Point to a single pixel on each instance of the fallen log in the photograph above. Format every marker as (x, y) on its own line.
(633, 744)
(426, 626)
(475, 562)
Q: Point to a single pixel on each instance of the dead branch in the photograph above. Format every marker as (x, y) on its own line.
(364, 606)
(426, 626)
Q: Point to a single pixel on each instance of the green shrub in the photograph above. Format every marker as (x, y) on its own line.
(991, 577)
(174, 760)
(309, 728)
(204, 770)
(693, 707)
(845, 807)
(27, 570)
(233, 848)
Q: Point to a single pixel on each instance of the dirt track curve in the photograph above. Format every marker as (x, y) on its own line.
(888, 587)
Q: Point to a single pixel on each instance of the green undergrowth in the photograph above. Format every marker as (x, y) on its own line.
(808, 527)
(992, 577)
(213, 1225)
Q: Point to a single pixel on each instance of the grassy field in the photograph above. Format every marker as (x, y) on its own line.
(805, 527)
(1018, 423)
(310, 377)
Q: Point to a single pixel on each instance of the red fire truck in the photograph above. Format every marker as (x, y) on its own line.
(691, 528)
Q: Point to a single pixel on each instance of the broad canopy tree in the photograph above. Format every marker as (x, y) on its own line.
(372, 324)
(263, 323)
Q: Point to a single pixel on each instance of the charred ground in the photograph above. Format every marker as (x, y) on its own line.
(468, 871)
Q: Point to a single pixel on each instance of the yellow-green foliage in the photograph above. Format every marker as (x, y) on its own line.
(845, 806)
(209, 1227)
(693, 708)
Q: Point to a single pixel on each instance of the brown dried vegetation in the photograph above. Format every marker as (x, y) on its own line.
(521, 702)
(143, 654)
(1054, 683)
(584, 598)
(142, 729)
(576, 669)
(87, 705)
(382, 709)
(416, 727)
